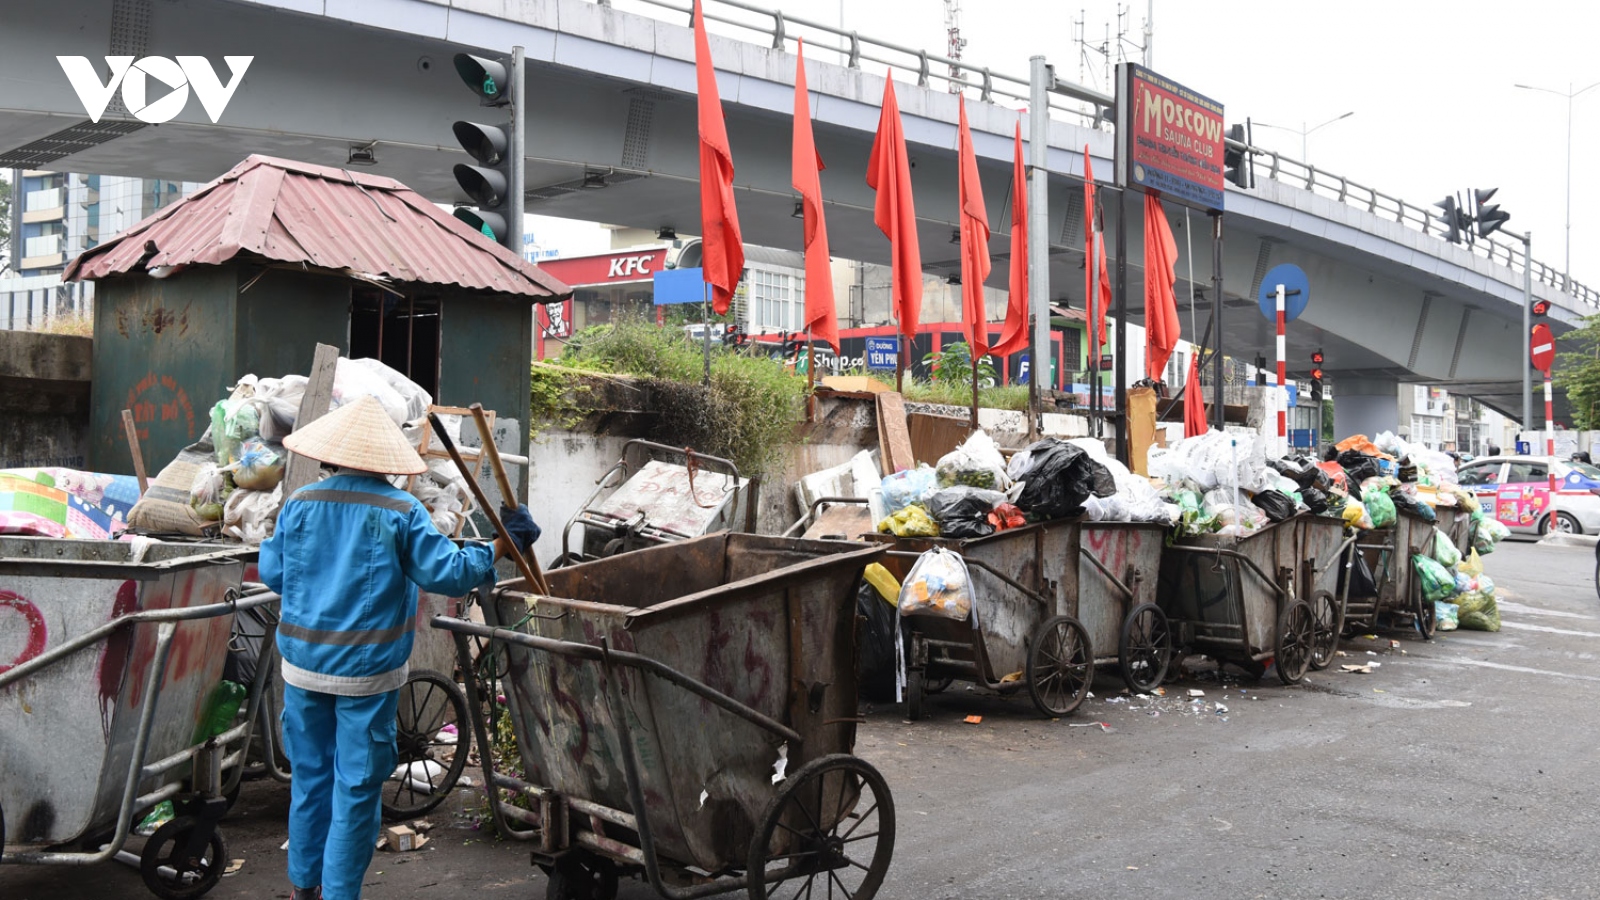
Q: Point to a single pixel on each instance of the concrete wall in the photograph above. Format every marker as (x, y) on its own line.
(44, 399)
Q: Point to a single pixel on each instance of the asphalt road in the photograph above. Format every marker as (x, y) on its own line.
(1457, 768)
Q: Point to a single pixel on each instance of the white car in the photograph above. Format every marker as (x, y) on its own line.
(1516, 491)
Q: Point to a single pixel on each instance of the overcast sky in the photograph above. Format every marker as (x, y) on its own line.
(1430, 83)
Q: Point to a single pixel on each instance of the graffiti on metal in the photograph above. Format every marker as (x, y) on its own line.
(160, 398)
(32, 625)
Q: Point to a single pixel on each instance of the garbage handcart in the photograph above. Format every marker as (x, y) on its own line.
(110, 654)
(1044, 596)
(654, 495)
(686, 714)
(1269, 596)
(1387, 552)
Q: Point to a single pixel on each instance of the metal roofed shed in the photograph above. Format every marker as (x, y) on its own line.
(250, 272)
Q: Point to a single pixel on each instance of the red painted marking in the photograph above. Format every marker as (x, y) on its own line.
(38, 634)
(114, 655)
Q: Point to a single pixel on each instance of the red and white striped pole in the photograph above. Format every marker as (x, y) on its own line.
(1283, 381)
(1550, 444)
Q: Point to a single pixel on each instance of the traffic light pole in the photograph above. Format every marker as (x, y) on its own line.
(1527, 330)
(1218, 412)
(517, 135)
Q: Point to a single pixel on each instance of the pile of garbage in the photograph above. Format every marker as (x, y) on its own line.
(1223, 483)
(230, 482)
(1462, 595)
(974, 491)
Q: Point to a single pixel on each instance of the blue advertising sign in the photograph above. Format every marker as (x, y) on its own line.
(672, 286)
(882, 352)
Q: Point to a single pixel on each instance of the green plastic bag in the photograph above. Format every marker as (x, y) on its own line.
(1445, 550)
(1479, 611)
(1379, 506)
(1438, 583)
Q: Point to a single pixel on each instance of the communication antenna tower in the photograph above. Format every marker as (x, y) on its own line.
(952, 26)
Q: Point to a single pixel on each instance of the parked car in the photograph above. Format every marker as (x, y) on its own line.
(1516, 491)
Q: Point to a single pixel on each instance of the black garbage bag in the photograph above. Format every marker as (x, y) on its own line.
(1315, 499)
(1060, 477)
(876, 636)
(963, 511)
(1404, 502)
(1358, 466)
(1303, 472)
(1359, 574)
(1276, 504)
(1408, 470)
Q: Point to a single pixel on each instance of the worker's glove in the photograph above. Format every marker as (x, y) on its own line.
(520, 526)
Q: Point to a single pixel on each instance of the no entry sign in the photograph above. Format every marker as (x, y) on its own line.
(1542, 348)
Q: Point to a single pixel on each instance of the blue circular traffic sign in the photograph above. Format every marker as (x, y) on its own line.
(1296, 287)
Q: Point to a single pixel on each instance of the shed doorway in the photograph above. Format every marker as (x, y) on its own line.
(401, 332)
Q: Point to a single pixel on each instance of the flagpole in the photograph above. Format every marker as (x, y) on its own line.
(900, 364)
(1097, 403)
(705, 327)
(1119, 360)
(811, 377)
(974, 357)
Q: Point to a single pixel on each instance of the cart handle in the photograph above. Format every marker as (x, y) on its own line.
(597, 654)
(1337, 555)
(815, 505)
(728, 465)
(95, 635)
(1035, 596)
(1223, 551)
(1127, 592)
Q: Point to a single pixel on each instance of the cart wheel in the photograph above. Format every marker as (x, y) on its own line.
(1146, 648)
(430, 759)
(1296, 635)
(916, 686)
(592, 878)
(1060, 666)
(938, 685)
(829, 830)
(1423, 610)
(1329, 623)
(167, 869)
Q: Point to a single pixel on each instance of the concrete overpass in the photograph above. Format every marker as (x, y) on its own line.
(612, 138)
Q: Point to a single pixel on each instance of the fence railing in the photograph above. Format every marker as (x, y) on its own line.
(1092, 108)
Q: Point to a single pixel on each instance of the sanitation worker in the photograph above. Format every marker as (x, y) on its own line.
(347, 557)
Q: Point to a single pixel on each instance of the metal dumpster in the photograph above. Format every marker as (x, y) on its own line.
(110, 651)
(658, 699)
(1388, 553)
(1270, 595)
(1046, 595)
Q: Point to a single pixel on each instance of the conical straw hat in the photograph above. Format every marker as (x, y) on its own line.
(358, 435)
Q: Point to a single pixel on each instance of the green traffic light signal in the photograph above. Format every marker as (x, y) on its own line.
(486, 77)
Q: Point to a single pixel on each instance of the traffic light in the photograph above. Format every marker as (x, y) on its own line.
(1452, 216)
(1489, 215)
(495, 183)
(1235, 163)
(734, 336)
(1540, 308)
(1316, 376)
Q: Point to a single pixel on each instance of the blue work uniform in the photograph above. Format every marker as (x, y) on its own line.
(347, 557)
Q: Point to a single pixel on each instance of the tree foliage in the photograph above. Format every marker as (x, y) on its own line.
(1577, 372)
(5, 222)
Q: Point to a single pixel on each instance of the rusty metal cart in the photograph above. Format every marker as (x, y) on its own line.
(432, 735)
(109, 652)
(654, 495)
(1268, 596)
(685, 714)
(1036, 591)
(1387, 552)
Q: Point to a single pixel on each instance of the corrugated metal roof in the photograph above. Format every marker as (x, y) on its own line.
(296, 212)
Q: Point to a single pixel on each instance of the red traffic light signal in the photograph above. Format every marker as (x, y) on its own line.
(1316, 374)
(1316, 359)
(1541, 307)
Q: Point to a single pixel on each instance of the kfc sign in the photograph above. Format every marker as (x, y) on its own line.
(609, 268)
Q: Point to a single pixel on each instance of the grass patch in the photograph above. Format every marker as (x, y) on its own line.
(74, 324)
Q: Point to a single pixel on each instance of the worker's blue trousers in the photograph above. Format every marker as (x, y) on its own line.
(341, 750)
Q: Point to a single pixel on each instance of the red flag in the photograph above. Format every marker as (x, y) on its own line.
(974, 240)
(821, 319)
(1194, 402)
(1094, 248)
(722, 248)
(1014, 336)
(889, 173)
(1161, 329)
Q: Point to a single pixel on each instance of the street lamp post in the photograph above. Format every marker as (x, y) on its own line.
(1570, 94)
(1305, 132)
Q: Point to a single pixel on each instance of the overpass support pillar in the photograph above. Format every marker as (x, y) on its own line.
(1364, 406)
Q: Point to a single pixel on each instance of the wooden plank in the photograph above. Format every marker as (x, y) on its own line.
(934, 436)
(132, 431)
(848, 521)
(893, 438)
(302, 470)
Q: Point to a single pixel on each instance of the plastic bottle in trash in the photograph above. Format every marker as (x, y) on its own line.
(221, 708)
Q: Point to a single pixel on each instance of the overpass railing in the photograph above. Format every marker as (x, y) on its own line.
(1092, 109)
